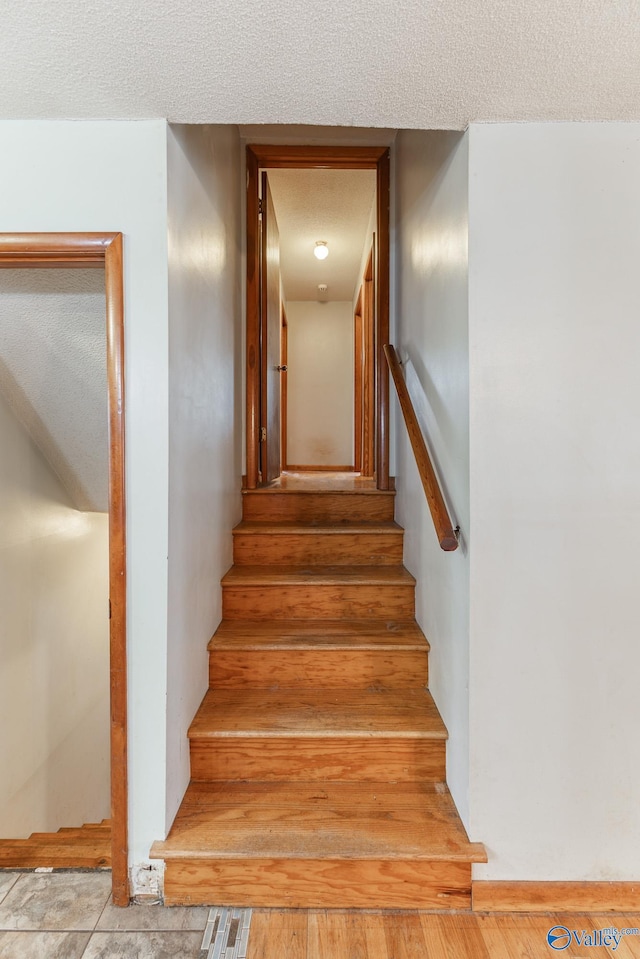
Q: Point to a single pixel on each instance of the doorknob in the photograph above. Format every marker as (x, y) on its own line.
(281, 369)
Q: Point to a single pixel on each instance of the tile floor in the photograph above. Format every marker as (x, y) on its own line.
(67, 915)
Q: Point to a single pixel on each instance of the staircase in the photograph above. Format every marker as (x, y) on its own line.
(318, 755)
(84, 847)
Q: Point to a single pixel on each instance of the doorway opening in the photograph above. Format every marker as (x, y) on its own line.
(317, 381)
(72, 251)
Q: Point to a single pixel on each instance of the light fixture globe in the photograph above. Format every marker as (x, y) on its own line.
(321, 250)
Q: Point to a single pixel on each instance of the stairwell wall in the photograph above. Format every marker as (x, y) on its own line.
(64, 176)
(205, 432)
(54, 646)
(431, 232)
(555, 499)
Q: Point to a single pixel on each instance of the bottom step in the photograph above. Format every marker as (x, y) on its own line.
(319, 883)
(330, 845)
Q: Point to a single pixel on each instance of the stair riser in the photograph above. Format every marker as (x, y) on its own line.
(297, 668)
(320, 509)
(318, 602)
(316, 883)
(344, 759)
(330, 549)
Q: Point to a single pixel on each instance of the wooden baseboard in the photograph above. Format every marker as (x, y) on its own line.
(488, 896)
(319, 469)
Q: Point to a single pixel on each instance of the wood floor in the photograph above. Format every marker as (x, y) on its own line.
(318, 754)
(318, 934)
(87, 847)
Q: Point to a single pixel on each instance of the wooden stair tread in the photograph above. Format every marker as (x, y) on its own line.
(318, 821)
(317, 576)
(258, 528)
(318, 714)
(314, 634)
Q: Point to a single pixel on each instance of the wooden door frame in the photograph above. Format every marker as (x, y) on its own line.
(70, 250)
(284, 354)
(358, 371)
(268, 156)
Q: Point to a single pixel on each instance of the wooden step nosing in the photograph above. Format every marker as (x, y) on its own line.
(438, 735)
(279, 491)
(256, 528)
(306, 646)
(239, 577)
(161, 850)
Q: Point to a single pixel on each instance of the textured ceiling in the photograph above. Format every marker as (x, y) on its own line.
(53, 372)
(410, 63)
(331, 205)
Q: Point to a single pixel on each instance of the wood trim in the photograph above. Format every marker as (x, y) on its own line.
(253, 322)
(284, 383)
(358, 372)
(439, 512)
(263, 325)
(53, 249)
(79, 250)
(114, 288)
(319, 469)
(488, 896)
(369, 375)
(383, 199)
(292, 157)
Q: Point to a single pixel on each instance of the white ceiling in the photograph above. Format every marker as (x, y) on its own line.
(331, 205)
(410, 63)
(53, 372)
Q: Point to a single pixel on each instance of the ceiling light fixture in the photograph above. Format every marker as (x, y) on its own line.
(321, 250)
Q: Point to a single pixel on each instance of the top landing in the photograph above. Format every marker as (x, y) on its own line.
(322, 481)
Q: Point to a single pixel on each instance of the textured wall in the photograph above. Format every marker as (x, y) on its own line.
(205, 432)
(554, 246)
(54, 647)
(432, 335)
(330, 205)
(413, 63)
(53, 366)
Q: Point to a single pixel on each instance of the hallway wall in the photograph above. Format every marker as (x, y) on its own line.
(555, 499)
(54, 647)
(111, 175)
(320, 383)
(204, 423)
(432, 338)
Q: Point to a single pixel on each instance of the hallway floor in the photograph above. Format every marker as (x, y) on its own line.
(68, 915)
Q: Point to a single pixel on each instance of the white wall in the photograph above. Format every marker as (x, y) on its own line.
(205, 431)
(431, 227)
(54, 647)
(96, 175)
(53, 373)
(555, 499)
(320, 384)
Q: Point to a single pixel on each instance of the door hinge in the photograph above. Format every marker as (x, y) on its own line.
(263, 433)
(109, 609)
(260, 207)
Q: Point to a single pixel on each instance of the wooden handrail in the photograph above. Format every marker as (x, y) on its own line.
(447, 535)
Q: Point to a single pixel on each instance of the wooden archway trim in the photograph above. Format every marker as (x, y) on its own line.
(67, 250)
(275, 156)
